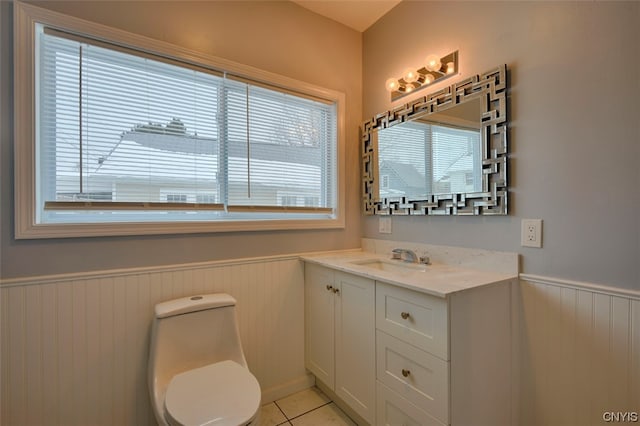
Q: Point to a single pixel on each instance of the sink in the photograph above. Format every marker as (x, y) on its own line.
(390, 265)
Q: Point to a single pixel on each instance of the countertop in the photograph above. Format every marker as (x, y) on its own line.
(437, 279)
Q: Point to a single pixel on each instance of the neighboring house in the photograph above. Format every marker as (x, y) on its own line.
(176, 166)
(461, 176)
(401, 180)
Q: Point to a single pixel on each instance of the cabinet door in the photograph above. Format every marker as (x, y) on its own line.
(319, 323)
(355, 343)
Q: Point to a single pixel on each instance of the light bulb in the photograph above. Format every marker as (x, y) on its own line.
(432, 63)
(428, 79)
(392, 85)
(450, 67)
(408, 88)
(410, 75)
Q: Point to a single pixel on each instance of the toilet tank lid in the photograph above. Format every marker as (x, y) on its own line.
(185, 305)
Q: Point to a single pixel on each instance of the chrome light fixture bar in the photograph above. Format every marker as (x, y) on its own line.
(435, 69)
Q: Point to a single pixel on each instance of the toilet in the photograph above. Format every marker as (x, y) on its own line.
(198, 374)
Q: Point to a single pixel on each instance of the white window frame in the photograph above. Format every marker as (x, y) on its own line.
(25, 19)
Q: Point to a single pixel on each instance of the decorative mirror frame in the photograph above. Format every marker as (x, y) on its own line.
(491, 88)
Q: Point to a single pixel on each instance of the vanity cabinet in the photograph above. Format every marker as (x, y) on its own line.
(423, 353)
(340, 335)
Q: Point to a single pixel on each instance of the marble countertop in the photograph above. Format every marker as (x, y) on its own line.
(437, 279)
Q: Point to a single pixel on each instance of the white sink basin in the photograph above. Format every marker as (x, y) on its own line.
(390, 265)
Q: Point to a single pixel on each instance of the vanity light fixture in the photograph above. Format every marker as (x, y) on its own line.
(435, 69)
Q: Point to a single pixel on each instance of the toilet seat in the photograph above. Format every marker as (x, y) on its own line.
(219, 394)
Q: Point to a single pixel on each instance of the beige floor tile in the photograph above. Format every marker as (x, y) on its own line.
(301, 402)
(270, 415)
(328, 415)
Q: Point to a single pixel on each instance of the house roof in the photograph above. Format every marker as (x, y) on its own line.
(191, 144)
(175, 158)
(463, 164)
(406, 172)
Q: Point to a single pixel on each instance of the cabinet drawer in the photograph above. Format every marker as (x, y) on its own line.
(394, 410)
(416, 318)
(418, 376)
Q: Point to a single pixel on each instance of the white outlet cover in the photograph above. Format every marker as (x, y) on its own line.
(384, 224)
(531, 233)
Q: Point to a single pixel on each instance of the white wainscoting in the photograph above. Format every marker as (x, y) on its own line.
(579, 346)
(75, 348)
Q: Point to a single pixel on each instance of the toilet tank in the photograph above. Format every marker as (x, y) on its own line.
(192, 332)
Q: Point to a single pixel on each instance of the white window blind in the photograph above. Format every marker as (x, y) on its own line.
(126, 136)
(277, 148)
(419, 158)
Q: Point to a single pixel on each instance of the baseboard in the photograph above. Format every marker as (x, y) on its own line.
(357, 419)
(277, 392)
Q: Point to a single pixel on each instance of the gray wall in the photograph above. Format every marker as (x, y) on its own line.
(574, 106)
(279, 37)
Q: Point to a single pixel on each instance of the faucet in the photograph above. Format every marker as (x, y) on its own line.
(409, 256)
(405, 255)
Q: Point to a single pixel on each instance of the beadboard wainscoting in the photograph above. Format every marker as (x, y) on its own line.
(579, 347)
(75, 348)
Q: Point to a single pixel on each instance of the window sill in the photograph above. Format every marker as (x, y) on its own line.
(44, 231)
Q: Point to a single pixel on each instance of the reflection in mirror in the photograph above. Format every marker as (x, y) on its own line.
(432, 154)
(441, 154)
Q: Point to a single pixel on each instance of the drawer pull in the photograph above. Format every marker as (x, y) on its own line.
(405, 315)
(405, 373)
(329, 287)
(336, 290)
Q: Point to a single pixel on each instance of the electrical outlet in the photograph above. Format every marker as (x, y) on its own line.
(384, 224)
(531, 233)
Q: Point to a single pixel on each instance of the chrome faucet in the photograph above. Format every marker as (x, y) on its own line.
(409, 256)
(405, 255)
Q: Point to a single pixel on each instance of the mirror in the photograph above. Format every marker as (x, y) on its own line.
(436, 153)
(442, 154)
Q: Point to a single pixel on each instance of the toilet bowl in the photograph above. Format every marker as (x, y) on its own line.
(198, 374)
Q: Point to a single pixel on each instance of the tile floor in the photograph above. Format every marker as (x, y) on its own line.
(309, 407)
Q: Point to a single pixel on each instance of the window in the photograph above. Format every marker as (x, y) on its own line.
(176, 198)
(125, 137)
(311, 201)
(384, 181)
(206, 199)
(288, 200)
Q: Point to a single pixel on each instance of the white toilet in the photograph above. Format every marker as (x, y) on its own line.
(197, 371)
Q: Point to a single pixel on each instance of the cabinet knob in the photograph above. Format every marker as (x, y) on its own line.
(329, 287)
(336, 290)
(405, 315)
(405, 373)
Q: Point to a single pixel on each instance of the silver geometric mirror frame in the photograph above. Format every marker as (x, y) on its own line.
(490, 88)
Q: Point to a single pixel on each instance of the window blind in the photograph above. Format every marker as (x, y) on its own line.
(277, 150)
(125, 131)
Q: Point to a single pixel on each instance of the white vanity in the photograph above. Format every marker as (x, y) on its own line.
(409, 344)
